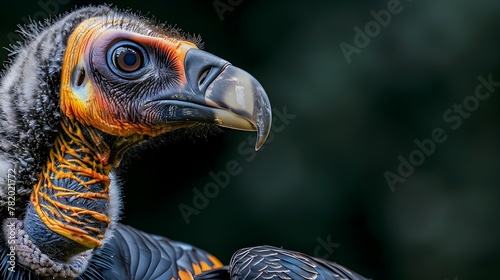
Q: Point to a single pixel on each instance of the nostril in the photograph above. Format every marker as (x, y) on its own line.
(203, 76)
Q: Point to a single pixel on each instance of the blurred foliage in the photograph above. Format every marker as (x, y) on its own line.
(323, 173)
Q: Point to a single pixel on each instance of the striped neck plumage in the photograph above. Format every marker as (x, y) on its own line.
(71, 205)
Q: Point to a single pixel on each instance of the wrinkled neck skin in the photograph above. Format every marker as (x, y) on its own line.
(72, 208)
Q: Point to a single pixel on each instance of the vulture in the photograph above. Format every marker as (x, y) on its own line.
(76, 94)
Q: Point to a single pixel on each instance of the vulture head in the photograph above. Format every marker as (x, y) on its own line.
(75, 96)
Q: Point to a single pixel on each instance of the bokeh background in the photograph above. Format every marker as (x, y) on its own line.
(321, 177)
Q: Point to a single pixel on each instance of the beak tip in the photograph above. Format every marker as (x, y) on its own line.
(259, 144)
(242, 103)
(264, 117)
(263, 129)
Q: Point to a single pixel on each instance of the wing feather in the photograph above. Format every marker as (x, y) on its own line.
(268, 262)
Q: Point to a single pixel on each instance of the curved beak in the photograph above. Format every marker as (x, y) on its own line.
(240, 102)
(215, 92)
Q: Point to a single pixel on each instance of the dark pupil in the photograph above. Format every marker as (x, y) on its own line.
(127, 59)
(130, 59)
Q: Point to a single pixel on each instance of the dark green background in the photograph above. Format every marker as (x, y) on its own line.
(322, 176)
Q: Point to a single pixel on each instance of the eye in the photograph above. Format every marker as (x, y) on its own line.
(127, 59)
